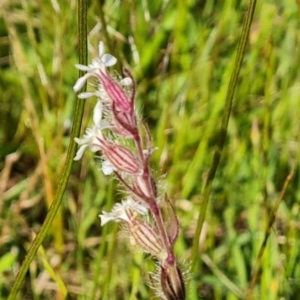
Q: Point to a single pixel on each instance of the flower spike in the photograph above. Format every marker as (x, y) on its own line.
(126, 148)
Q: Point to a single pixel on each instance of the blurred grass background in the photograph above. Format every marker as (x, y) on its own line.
(181, 54)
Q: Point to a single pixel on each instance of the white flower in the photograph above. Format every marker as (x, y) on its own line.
(93, 136)
(122, 211)
(104, 60)
(88, 140)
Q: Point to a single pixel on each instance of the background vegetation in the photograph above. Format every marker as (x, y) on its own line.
(181, 54)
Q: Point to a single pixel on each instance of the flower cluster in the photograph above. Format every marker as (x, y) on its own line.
(115, 127)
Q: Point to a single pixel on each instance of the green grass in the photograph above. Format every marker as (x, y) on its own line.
(182, 56)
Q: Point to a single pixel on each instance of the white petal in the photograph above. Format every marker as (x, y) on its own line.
(141, 209)
(95, 148)
(95, 65)
(82, 67)
(89, 134)
(107, 168)
(105, 218)
(101, 48)
(80, 152)
(119, 212)
(86, 95)
(108, 60)
(81, 81)
(126, 81)
(97, 116)
(82, 141)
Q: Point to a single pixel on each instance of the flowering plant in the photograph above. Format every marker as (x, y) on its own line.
(116, 126)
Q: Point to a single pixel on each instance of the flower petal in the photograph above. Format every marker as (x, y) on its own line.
(97, 116)
(95, 148)
(107, 167)
(80, 152)
(81, 81)
(105, 218)
(121, 211)
(126, 81)
(101, 48)
(82, 67)
(108, 60)
(86, 95)
(141, 209)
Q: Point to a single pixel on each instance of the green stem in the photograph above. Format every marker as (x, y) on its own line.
(223, 131)
(82, 31)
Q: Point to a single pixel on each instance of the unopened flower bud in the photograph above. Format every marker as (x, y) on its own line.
(147, 238)
(172, 283)
(173, 229)
(125, 121)
(115, 92)
(141, 186)
(121, 157)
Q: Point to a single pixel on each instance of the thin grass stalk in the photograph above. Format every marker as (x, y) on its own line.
(108, 281)
(104, 25)
(20, 61)
(222, 277)
(97, 271)
(104, 31)
(82, 33)
(266, 136)
(103, 249)
(223, 130)
(249, 294)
